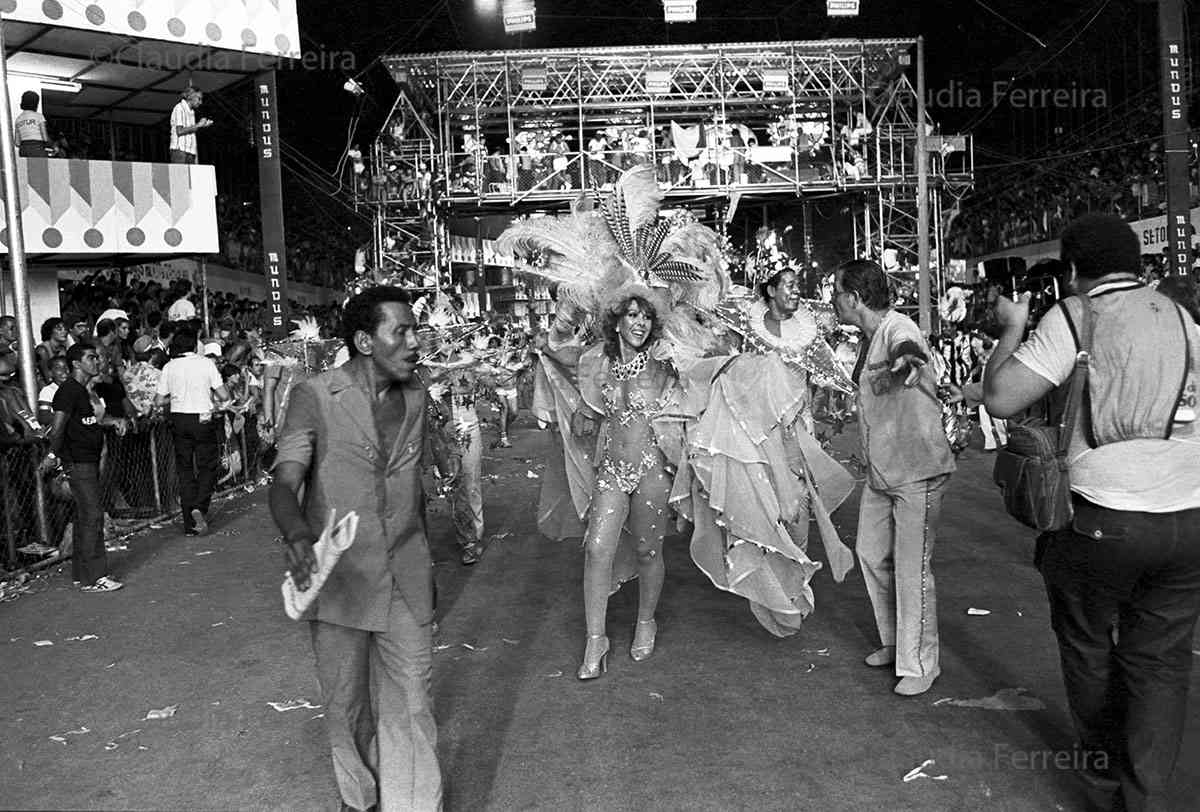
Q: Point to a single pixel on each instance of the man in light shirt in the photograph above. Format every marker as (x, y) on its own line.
(184, 127)
(182, 308)
(188, 383)
(1132, 551)
(33, 140)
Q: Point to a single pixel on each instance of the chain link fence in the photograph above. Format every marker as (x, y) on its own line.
(139, 481)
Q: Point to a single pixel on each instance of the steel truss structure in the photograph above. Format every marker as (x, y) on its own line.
(510, 131)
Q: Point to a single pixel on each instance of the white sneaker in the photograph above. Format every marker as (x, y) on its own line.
(199, 522)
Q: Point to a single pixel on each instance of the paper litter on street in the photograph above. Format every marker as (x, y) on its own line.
(43, 642)
(1006, 699)
(293, 704)
(919, 772)
(162, 713)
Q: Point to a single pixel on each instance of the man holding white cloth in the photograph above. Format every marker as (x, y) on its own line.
(353, 440)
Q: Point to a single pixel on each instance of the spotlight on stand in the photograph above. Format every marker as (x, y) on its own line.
(679, 11)
(841, 8)
(353, 87)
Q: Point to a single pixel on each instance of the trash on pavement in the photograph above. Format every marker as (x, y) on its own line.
(510, 642)
(470, 647)
(61, 737)
(978, 612)
(530, 475)
(43, 642)
(81, 638)
(162, 713)
(293, 704)
(919, 772)
(554, 674)
(1006, 699)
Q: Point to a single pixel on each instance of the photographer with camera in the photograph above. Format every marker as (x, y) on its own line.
(1130, 547)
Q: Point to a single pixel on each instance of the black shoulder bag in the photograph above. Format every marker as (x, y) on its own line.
(1033, 471)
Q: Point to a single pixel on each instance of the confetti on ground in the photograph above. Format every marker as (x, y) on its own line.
(157, 526)
(811, 667)
(43, 642)
(978, 612)
(184, 563)
(61, 737)
(1006, 699)
(820, 652)
(530, 475)
(110, 665)
(1019, 613)
(205, 552)
(514, 642)
(162, 713)
(470, 647)
(919, 772)
(84, 637)
(657, 696)
(555, 674)
(214, 625)
(441, 647)
(318, 716)
(293, 704)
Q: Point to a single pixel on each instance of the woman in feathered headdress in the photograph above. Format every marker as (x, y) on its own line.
(625, 388)
(599, 259)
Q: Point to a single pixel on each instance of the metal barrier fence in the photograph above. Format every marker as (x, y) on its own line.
(139, 482)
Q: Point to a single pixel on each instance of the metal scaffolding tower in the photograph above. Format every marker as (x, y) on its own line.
(476, 133)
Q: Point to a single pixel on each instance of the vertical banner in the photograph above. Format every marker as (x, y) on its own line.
(1175, 134)
(270, 191)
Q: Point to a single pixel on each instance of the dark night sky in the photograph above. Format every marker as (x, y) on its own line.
(965, 44)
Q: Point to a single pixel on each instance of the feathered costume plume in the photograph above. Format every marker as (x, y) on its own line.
(601, 254)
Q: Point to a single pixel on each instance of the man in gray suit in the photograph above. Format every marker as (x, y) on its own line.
(354, 439)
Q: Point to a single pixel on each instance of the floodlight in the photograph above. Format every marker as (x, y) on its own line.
(679, 11)
(519, 15)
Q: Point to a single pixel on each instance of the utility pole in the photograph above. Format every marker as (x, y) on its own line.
(1174, 74)
(924, 300)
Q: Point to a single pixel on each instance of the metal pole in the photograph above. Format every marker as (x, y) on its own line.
(480, 268)
(16, 237)
(923, 270)
(204, 293)
(1173, 54)
(158, 503)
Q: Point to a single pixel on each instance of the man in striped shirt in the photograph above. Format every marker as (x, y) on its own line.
(184, 127)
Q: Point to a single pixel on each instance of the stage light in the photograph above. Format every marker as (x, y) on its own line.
(519, 15)
(658, 81)
(534, 80)
(353, 87)
(679, 11)
(776, 80)
(841, 8)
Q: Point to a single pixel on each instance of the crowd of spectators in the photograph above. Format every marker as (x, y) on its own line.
(321, 254)
(1033, 203)
(132, 327)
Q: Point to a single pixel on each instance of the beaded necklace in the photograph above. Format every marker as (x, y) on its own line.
(630, 369)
